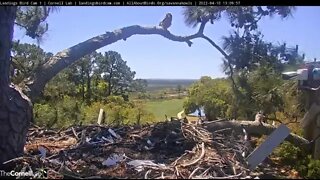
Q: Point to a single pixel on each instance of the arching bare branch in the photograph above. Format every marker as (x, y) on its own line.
(68, 56)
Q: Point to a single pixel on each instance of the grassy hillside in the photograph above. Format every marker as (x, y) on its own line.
(160, 108)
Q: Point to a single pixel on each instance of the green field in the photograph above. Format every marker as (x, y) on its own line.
(160, 108)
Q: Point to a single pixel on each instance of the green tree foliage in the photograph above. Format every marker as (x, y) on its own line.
(141, 115)
(244, 50)
(258, 66)
(179, 90)
(245, 17)
(139, 85)
(26, 58)
(59, 113)
(72, 111)
(259, 90)
(82, 74)
(213, 95)
(249, 51)
(33, 20)
(59, 87)
(139, 89)
(298, 159)
(68, 96)
(118, 111)
(116, 73)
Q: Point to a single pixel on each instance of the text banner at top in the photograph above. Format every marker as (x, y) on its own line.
(118, 3)
(157, 3)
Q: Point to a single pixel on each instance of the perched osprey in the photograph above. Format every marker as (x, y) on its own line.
(166, 22)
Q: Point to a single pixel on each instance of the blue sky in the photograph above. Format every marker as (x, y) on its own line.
(153, 56)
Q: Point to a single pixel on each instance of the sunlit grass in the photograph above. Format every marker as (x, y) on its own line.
(160, 108)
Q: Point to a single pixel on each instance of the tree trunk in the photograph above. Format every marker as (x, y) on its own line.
(82, 83)
(15, 107)
(96, 89)
(88, 87)
(254, 128)
(109, 81)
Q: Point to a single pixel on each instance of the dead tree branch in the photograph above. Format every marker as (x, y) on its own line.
(257, 129)
(68, 56)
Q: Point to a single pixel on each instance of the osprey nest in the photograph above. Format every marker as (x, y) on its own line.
(166, 150)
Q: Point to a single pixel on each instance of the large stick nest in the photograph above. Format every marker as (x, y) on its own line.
(164, 150)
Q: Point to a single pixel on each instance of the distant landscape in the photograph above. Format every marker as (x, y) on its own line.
(156, 84)
(165, 99)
